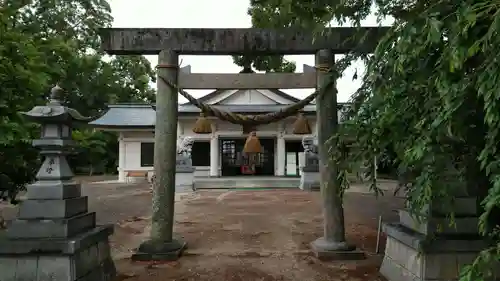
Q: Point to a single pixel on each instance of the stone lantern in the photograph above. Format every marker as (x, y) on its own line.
(55, 237)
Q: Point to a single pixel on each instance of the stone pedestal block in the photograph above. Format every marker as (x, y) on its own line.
(184, 179)
(310, 178)
(83, 257)
(55, 189)
(439, 225)
(429, 248)
(184, 174)
(53, 209)
(53, 228)
(410, 256)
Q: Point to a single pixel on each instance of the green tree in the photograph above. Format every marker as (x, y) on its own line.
(48, 42)
(22, 76)
(432, 96)
(94, 146)
(308, 14)
(259, 12)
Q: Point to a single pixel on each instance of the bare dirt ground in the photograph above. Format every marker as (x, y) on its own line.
(257, 235)
(241, 235)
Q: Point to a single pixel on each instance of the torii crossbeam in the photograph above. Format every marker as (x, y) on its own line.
(238, 41)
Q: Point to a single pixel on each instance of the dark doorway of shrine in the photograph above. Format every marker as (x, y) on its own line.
(233, 160)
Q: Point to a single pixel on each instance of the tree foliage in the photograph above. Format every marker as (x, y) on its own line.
(48, 42)
(259, 12)
(430, 95)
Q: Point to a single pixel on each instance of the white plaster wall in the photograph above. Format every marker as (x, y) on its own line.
(133, 140)
(248, 97)
(138, 134)
(221, 126)
(226, 127)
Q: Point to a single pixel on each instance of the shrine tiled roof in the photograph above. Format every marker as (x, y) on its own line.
(144, 115)
(127, 115)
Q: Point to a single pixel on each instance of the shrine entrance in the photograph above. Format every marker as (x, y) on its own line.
(235, 163)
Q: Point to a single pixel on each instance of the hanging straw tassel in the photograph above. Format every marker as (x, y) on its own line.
(252, 145)
(202, 125)
(301, 125)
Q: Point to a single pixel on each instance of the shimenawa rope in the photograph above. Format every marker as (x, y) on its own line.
(252, 120)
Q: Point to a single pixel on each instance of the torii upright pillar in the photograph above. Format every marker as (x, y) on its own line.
(161, 244)
(333, 244)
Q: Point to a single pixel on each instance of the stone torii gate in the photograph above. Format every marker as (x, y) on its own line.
(168, 44)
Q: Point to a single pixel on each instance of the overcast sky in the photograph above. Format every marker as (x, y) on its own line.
(211, 14)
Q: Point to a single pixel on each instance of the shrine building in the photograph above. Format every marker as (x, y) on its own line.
(218, 154)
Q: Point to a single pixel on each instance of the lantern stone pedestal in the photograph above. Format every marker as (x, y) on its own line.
(432, 249)
(55, 237)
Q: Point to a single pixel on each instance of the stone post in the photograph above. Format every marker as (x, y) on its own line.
(281, 155)
(214, 155)
(121, 159)
(333, 244)
(54, 236)
(162, 245)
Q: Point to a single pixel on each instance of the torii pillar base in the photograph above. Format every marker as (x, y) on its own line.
(160, 251)
(329, 251)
